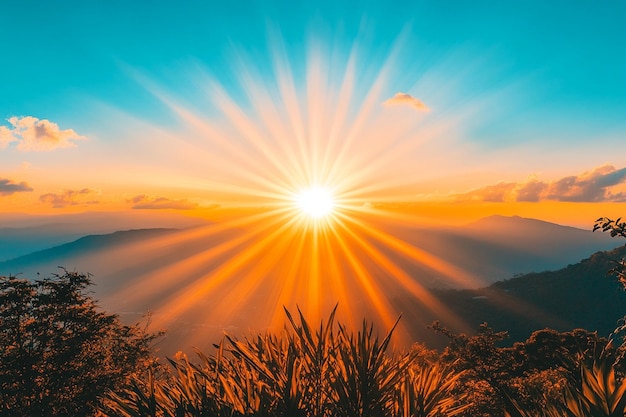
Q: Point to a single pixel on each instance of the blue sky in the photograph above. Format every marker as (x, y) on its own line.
(53, 53)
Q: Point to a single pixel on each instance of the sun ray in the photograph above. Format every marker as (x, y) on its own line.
(367, 284)
(400, 276)
(276, 128)
(300, 161)
(452, 272)
(291, 105)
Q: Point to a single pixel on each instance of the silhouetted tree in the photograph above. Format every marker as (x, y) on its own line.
(530, 374)
(486, 367)
(58, 352)
(550, 349)
(617, 228)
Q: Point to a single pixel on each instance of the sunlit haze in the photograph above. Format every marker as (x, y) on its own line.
(305, 144)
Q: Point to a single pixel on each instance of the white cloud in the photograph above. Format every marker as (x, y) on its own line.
(32, 134)
(6, 137)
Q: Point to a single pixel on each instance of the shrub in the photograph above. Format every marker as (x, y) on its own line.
(58, 352)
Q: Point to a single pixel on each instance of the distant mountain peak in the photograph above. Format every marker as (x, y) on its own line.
(498, 220)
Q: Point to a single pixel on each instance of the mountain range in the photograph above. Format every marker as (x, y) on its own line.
(491, 249)
(508, 254)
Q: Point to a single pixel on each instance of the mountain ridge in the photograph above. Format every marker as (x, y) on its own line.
(491, 249)
(580, 295)
(577, 295)
(88, 243)
(84, 245)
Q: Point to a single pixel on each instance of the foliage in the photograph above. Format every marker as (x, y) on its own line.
(616, 228)
(333, 372)
(366, 378)
(428, 391)
(596, 393)
(58, 352)
(599, 394)
(484, 365)
(195, 389)
(299, 372)
(530, 375)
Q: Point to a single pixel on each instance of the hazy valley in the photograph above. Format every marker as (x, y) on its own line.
(140, 270)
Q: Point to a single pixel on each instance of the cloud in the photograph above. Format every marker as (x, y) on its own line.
(532, 191)
(592, 186)
(33, 134)
(405, 99)
(144, 202)
(7, 187)
(494, 193)
(6, 137)
(69, 198)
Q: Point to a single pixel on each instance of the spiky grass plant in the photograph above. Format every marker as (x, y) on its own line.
(268, 375)
(295, 366)
(600, 394)
(427, 390)
(297, 373)
(191, 390)
(318, 351)
(366, 377)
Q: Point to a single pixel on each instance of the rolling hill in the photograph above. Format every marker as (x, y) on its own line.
(581, 295)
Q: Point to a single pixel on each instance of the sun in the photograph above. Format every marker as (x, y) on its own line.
(316, 202)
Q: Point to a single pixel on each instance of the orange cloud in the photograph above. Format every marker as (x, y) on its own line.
(494, 193)
(143, 202)
(33, 134)
(69, 198)
(590, 187)
(533, 190)
(7, 187)
(405, 99)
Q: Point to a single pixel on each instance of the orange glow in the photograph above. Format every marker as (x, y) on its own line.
(300, 184)
(255, 264)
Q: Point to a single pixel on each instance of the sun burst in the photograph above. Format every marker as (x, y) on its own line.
(294, 247)
(316, 202)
